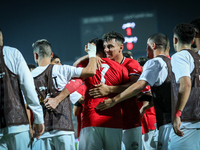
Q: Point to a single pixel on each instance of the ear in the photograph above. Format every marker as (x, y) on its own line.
(51, 55)
(36, 56)
(192, 42)
(175, 40)
(121, 47)
(153, 46)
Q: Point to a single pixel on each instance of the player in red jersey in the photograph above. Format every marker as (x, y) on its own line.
(98, 127)
(113, 46)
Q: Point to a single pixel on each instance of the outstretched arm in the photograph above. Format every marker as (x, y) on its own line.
(103, 89)
(90, 69)
(131, 91)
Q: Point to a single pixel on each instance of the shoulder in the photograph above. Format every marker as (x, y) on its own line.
(155, 63)
(182, 56)
(130, 61)
(38, 70)
(11, 51)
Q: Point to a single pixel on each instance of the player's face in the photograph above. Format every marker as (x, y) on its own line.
(56, 61)
(112, 49)
(149, 50)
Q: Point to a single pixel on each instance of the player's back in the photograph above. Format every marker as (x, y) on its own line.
(111, 73)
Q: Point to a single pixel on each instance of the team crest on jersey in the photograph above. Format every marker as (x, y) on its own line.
(135, 145)
(159, 145)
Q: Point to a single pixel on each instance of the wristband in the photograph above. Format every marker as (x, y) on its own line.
(78, 104)
(178, 113)
(91, 50)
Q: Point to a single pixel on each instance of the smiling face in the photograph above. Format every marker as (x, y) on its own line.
(113, 49)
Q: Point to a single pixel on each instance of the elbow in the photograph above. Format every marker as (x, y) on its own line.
(91, 73)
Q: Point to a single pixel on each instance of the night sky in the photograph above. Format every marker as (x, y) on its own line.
(24, 22)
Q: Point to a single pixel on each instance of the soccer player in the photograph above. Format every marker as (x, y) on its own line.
(98, 127)
(16, 77)
(185, 87)
(132, 129)
(50, 80)
(55, 60)
(156, 72)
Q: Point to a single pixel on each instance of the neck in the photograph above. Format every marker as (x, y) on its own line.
(119, 58)
(159, 52)
(44, 62)
(183, 46)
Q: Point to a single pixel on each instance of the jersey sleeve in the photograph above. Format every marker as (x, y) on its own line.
(180, 65)
(134, 68)
(75, 96)
(151, 71)
(147, 89)
(73, 85)
(125, 75)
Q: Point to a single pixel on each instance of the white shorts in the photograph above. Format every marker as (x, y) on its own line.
(148, 140)
(16, 141)
(60, 142)
(98, 138)
(189, 141)
(163, 136)
(132, 138)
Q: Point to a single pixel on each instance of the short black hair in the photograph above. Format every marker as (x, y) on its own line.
(142, 60)
(99, 44)
(160, 40)
(127, 54)
(31, 66)
(184, 32)
(196, 23)
(113, 35)
(54, 57)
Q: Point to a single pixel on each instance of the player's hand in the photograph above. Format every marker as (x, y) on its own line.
(107, 103)
(99, 90)
(176, 126)
(51, 103)
(99, 62)
(39, 129)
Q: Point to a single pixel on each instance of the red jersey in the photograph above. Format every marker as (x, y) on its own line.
(81, 90)
(168, 56)
(112, 73)
(149, 118)
(131, 114)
